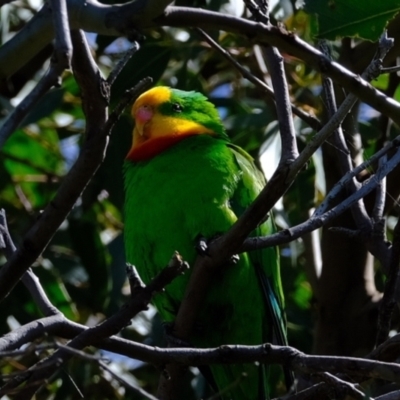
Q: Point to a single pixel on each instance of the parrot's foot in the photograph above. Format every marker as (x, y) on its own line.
(234, 259)
(172, 340)
(202, 249)
(202, 246)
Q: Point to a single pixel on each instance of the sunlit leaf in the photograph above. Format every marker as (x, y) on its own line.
(365, 19)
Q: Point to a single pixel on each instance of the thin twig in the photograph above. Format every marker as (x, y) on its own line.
(127, 98)
(60, 61)
(121, 63)
(315, 392)
(51, 78)
(336, 190)
(33, 348)
(389, 70)
(343, 154)
(98, 127)
(390, 396)
(79, 353)
(306, 117)
(133, 388)
(343, 388)
(223, 247)
(36, 375)
(29, 279)
(380, 197)
(318, 219)
(274, 62)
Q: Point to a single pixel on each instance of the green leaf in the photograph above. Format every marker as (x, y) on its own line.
(32, 159)
(355, 18)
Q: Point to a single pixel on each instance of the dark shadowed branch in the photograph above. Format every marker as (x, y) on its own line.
(357, 368)
(387, 351)
(316, 392)
(226, 245)
(63, 44)
(343, 154)
(275, 66)
(274, 61)
(128, 385)
(121, 63)
(95, 94)
(37, 374)
(342, 388)
(29, 279)
(61, 60)
(378, 245)
(318, 219)
(103, 19)
(390, 396)
(308, 118)
(222, 248)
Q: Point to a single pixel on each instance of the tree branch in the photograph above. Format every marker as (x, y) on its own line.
(95, 94)
(29, 279)
(63, 44)
(343, 388)
(319, 219)
(37, 375)
(95, 17)
(61, 60)
(308, 118)
(14, 119)
(133, 388)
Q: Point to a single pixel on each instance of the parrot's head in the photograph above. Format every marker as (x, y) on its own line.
(165, 116)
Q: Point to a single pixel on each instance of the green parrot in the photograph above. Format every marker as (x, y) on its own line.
(184, 180)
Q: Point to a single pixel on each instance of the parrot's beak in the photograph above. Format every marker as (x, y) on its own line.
(142, 115)
(139, 129)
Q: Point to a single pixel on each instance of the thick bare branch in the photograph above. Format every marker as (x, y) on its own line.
(318, 219)
(95, 17)
(276, 69)
(36, 375)
(63, 44)
(15, 118)
(95, 94)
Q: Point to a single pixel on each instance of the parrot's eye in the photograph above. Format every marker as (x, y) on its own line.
(176, 107)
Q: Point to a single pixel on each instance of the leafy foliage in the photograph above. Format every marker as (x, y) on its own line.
(339, 18)
(83, 269)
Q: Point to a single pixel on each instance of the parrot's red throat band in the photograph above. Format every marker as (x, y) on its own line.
(154, 146)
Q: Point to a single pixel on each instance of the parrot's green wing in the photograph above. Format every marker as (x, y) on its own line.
(265, 261)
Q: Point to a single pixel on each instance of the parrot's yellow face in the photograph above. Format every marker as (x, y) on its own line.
(161, 120)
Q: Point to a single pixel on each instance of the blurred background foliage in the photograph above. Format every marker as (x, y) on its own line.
(83, 269)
